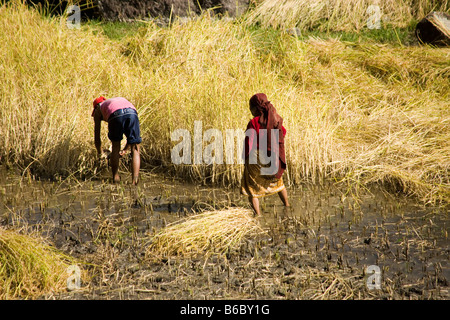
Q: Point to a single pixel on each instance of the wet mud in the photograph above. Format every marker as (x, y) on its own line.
(327, 245)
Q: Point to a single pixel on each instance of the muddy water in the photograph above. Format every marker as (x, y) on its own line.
(408, 242)
(319, 248)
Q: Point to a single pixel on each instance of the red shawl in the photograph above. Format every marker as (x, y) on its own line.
(269, 119)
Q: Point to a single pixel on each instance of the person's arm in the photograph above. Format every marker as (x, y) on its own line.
(97, 130)
(250, 139)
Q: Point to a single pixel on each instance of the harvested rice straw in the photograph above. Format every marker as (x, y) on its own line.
(29, 267)
(211, 231)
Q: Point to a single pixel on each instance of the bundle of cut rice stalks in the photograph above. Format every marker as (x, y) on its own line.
(29, 267)
(205, 233)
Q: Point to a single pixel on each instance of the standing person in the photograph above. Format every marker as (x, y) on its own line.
(122, 119)
(256, 183)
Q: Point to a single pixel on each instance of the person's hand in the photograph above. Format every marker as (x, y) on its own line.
(123, 152)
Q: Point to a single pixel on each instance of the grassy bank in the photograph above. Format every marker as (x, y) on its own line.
(356, 111)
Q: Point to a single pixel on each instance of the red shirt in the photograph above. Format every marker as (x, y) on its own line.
(110, 105)
(254, 124)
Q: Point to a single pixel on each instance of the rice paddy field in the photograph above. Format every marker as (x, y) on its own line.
(368, 151)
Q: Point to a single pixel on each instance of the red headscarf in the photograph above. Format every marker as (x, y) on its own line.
(269, 119)
(96, 102)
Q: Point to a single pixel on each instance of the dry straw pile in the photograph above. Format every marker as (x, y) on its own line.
(204, 233)
(29, 268)
(340, 15)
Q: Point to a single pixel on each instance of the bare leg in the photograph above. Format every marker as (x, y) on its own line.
(284, 197)
(115, 161)
(255, 205)
(135, 163)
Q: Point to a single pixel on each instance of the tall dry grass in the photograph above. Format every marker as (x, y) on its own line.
(355, 112)
(383, 114)
(48, 76)
(339, 15)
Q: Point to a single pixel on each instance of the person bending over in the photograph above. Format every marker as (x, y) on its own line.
(122, 118)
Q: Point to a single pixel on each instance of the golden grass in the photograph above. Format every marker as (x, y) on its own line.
(205, 233)
(49, 75)
(354, 112)
(339, 15)
(30, 268)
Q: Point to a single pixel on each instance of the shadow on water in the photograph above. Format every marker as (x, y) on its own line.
(322, 230)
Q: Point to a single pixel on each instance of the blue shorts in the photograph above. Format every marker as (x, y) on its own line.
(124, 122)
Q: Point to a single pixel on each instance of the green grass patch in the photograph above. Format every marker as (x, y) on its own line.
(395, 36)
(115, 30)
